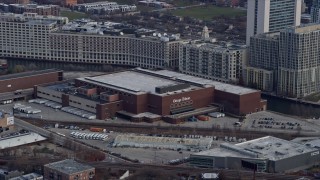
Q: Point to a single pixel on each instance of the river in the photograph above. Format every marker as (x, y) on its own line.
(292, 108)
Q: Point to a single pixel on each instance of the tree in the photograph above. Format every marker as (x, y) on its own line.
(19, 68)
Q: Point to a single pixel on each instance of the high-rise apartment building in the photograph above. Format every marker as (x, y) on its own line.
(263, 60)
(299, 61)
(315, 11)
(222, 62)
(271, 16)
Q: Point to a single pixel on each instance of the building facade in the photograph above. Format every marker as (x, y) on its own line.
(222, 62)
(299, 61)
(259, 78)
(26, 35)
(315, 11)
(30, 36)
(271, 16)
(262, 68)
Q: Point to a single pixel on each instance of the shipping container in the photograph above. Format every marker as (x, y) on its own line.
(95, 129)
(203, 118)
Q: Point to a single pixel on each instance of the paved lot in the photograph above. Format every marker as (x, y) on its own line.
(254, 121)
(269, 121)
(144, 155)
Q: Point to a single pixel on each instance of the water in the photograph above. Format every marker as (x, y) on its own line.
(292, 108)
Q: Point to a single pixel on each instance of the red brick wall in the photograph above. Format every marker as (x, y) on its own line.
(27, 82)
(108, 110)
(250, 103)
(200, 98)
(239, 104)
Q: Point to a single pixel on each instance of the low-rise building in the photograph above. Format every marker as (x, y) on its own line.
(104, 7)
(271, 154)
(45, 10)
(68, 170)
(6, 175)
(30, 176)
(6, 120)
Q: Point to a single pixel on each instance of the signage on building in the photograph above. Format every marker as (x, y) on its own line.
(10, 120)
(181, 99)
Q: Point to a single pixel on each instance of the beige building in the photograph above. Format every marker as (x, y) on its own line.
(218, 61)
(258, 78)
(6, 120)
(30, 36)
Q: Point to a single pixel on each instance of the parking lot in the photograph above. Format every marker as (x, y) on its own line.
(269, 121)
(255, 121)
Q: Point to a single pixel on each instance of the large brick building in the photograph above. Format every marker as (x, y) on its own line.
(68, 170)
(69, 2)
(26, 80)
(141, 94)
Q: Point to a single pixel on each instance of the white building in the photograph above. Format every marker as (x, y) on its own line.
(85, 41)
(271, 16)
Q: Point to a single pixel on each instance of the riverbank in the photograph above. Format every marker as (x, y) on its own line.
(296, 100)
(290, 106)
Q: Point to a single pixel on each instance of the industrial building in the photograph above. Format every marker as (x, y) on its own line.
(271, 154)
(26, 80)
(146, 95)
(68, 170)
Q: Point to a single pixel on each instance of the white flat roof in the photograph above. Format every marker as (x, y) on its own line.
(131, 81)
(21, 140)
(268, 147)
(201, 81)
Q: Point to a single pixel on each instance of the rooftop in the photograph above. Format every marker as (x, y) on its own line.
(220, 46)
(27, 74)
(305, 28)
(28, 176)
(33, 6)
(33, 17)
(268, 147)
(68, 166)
(201, 81)
(87, 26)
(131, 81)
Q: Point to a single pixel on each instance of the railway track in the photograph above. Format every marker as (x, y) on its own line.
(227, 174)
(170, 130)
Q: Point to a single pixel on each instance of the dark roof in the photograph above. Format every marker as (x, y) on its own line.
(69, 166)
(26, 74)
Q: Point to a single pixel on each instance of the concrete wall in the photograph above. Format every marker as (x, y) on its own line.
(302, 161)
(46, 93)
(82, 103)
